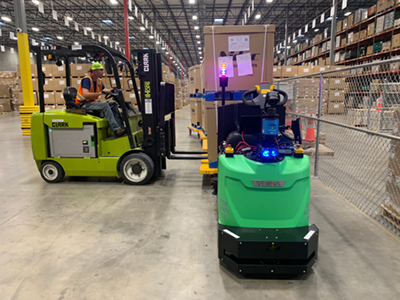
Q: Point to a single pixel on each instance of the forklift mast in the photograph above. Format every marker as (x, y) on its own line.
(149, 71)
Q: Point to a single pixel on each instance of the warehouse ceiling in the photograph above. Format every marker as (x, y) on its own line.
(173, 20)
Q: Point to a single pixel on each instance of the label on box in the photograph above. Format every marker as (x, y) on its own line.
(244, 64)
(239, 43)
(46, 96)
(337, 94)
(336, 106)
(79, 68)
(60, 68)
(288, 69)
(61, 82)
(337, 81)
(131, 95)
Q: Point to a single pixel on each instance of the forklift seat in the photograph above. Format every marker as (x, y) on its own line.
(70, 96)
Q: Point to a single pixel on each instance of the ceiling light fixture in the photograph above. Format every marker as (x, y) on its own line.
(114, 2)
(257, 16)
(151, 37)
(36, 2)
(316, 30)
(192, 1)
(130, 18)
(162, 48)
(347, 13)
(196, 27)
(105, 37)
(142, 28)
(199, 48)
(35, 29)
(69, 19)
(88, 29)
(198, 42)
(194, 17)
(270, 1)
(166, 52)
(60, 37)
(116, 43)
(197, 36)
(7, 19)
(218, 20)
(200, 52)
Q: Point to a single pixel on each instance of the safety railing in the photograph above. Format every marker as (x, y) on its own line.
(351, 117)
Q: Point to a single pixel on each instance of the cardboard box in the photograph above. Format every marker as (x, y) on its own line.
(305, 70)
(335, 108)
(389, 3)
(363, 34)
(380, 5)
(58, 71)
(59, 84)
(33, 71)
(336, 95)
(5, 104)
(5, 91)
(289, 71)
(49, 98)
(396, 41)
(336, 83)
(371, 29)
(350, 20)
(59, 98)
(380, 23)
(372, 10)
(386, 46)
(76, 82)
(79, 70)
(195, 79)
(130, 96)
(232, 40)
(47, 70)
(277, 72)
(339, 26)
(195, 111)
(370, 50)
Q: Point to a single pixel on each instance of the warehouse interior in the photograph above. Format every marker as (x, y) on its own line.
(259, 156)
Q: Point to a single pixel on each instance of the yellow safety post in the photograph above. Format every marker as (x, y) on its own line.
(24, 61)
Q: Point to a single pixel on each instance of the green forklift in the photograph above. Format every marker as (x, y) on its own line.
(77, 142)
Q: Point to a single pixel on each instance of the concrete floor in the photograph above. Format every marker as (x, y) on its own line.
(101, 239)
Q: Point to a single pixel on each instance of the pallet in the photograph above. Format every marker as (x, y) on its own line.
(4, 113)
(390, 215)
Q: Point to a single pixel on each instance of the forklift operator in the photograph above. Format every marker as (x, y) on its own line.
(90, 90)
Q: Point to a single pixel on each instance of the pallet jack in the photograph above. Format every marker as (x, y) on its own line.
(263, 190)
(76, 142)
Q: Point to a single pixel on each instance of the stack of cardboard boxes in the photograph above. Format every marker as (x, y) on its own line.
(195, 92)
(9, 98)
(247, 52)
(335, 91)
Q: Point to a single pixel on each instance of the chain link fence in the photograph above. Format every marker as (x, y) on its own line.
(351, 122)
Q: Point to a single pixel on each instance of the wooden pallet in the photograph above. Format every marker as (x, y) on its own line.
(390, 215)
(4, 113)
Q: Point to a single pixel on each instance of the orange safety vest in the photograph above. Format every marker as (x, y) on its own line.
(80, 98)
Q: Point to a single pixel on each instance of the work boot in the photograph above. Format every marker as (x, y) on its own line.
(119, 132)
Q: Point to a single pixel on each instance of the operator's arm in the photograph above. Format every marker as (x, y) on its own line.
(87, 94)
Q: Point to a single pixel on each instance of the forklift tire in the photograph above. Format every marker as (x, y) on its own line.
(137, 169)
(52, 172)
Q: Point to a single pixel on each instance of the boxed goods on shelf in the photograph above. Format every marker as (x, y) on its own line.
(380, 5)
(380, 23)
(335, 108)
(372, 10)
(339, 26)
(363, 34)
(371, 29)
(359, 15)
(350, 20)
(195, 79)
(389, 20)
(396, 41)
(386, 46)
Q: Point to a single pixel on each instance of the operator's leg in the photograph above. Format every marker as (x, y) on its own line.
(104, 107)
(117, 115)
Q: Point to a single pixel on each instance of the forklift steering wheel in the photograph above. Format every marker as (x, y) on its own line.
(111, 94)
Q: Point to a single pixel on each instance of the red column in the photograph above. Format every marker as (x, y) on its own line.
(126, 21)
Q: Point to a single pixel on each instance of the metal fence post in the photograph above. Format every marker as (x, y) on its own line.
(321, 80)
